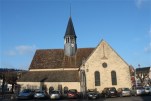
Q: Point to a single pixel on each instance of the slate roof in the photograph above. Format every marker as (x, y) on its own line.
(55, 58)
(50, 76)
(70, 29)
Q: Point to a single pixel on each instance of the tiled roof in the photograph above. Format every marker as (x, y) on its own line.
(55, 58)
(143, 70)
(50, 76)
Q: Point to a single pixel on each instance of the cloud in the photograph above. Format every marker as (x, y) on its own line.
(139, 3)
(148, 48)
(11, 53)
(25, 49)
(21, 50)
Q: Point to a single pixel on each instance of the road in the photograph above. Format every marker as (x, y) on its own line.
(133, 98)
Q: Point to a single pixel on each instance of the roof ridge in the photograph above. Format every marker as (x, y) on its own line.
(50, 49)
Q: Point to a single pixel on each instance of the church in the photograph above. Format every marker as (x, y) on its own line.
(76, 68)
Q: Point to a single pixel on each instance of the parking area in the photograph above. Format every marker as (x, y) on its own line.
(132, 98)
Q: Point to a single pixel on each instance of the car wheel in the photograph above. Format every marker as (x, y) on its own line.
(130, 94)
(106, 96)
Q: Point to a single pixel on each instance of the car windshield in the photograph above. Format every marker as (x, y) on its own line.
(39, 92)
(73, 91)
(26, 91)
(112, 89)
(126, 89)
(139, 88)
(91, 90)
(147, 88)
(55, 92)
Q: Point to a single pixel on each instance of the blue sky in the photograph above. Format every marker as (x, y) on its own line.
(27, 25)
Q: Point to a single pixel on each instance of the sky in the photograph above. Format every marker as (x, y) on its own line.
(28, 25)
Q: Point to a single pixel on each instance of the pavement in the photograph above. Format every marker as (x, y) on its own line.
(5, 97)
(132, 98)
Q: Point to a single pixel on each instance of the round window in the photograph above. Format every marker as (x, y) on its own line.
(104, 65)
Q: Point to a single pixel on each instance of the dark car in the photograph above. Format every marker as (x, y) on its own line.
(109, 92)
(92, 94)
(72, 93)
(124, 92)
(41, 94)
(26, 94)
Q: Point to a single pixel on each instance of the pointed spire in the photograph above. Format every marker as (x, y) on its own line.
(70, 28)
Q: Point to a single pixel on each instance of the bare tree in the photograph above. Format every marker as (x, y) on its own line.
(11, 78)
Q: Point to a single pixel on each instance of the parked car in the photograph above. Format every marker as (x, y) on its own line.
(26, 94)
(147, 90)
(55, 94)
(92, 94)
(150, 90)
(72, 93)
(138, 91)
(109, 92)
(123, 92)
(41, 95)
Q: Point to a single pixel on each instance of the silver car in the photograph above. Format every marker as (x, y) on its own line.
(40, 95)
(55, 94)
(138, 91)
(123, 92)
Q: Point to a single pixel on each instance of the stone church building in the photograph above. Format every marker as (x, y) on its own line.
(76, 68)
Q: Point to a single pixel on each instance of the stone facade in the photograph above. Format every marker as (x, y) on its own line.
(38, 85)
(105, 54)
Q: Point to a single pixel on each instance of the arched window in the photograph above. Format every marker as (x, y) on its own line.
(97, 78)
(114, 78)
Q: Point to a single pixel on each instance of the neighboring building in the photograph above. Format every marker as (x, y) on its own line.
(150, 73)
(9, 76)
(1, 81)
(76, 68)
(143, 76)
(132, 74)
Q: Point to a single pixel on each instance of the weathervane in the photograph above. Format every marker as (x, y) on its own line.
(70, 9)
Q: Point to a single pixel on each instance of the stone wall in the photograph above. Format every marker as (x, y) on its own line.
(105, 54)
(37, 85)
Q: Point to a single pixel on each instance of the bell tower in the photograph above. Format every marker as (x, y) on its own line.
(70, 45)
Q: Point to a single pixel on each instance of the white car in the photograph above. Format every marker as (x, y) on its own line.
(147, 90)
(41, 95)
(140, 91)
(55, 94)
